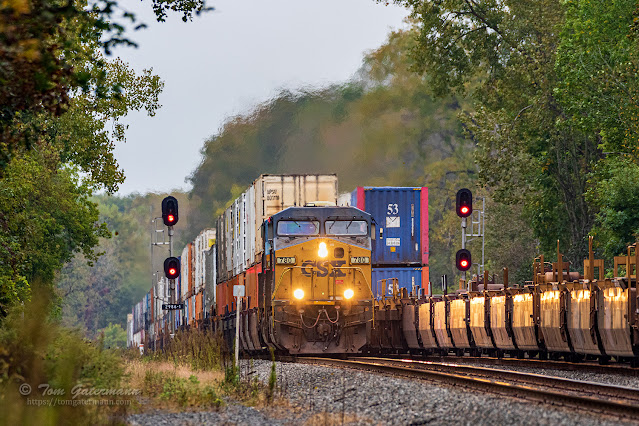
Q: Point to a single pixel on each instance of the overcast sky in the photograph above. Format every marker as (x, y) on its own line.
(227, 61)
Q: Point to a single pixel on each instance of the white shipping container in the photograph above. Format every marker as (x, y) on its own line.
(184, 272)
(274, 193)
(209, 282)
(228, 229)
(344, 200)
(237, 232)
(249, 252)
(129, 330)
(269, 194)
(202, 243)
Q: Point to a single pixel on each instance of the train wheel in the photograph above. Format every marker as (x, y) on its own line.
(604, 360)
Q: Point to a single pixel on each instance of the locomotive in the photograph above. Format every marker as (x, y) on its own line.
(318, 276)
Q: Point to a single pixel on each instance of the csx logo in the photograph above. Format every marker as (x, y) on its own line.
(320, 268)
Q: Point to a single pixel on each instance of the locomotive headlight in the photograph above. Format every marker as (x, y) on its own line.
(299, 294)
(323, 251)
(348, 293)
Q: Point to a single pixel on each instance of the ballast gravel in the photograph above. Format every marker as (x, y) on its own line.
(319, 395)
(616, 379)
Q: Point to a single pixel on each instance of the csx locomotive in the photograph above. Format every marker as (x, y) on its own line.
(318, 272)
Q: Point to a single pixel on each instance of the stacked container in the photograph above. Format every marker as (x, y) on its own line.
(239, 228)
(209, 280)
(400, 248)
(202, 244)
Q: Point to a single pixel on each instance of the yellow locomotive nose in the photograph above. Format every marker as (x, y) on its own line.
(323, 251)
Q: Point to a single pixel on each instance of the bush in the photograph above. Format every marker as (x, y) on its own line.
(36, 351)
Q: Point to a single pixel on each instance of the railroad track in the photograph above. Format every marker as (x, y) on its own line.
(598, 398)
(586, 367)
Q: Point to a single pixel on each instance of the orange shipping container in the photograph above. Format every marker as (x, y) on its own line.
(251, 285)
(220, 298)
(229, 293)
(198, 307)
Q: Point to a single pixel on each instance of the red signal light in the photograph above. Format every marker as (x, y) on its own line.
(170, 211)
(463, 260)
(464, 202)
(172, 267)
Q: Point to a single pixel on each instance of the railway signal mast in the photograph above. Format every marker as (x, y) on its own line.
(171, 264)
(464, 208)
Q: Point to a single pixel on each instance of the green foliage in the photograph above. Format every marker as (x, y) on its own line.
(597, 60)
(114, 336)
(45, 218)
(51, 53)
(183, 392)
(529, 152)
(616, 193)
(36, 350)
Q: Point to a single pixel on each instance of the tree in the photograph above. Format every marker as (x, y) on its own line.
(45, 217)
(503, 54)
(57, 94)
(50, 51)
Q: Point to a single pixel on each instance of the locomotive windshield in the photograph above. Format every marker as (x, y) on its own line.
(346, 227)
(297, 227)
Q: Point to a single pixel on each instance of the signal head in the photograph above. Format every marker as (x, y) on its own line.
(464, 202)
(463, 260)
(170, 211)
(172, 267)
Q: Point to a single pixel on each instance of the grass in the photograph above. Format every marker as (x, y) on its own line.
(195, 370)
(53, 366)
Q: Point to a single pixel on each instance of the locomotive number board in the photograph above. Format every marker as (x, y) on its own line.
(360, 260)
(290, 260)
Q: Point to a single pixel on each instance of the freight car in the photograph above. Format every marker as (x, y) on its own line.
(559, 314)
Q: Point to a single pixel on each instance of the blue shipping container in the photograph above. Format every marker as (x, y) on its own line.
(401, 217)
(408, 278)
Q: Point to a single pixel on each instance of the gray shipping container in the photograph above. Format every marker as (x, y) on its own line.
(209, 279)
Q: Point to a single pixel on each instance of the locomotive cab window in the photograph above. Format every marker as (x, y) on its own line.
(297, 227)
(346, 227)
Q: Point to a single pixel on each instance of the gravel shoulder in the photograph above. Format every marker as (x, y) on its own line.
(315, 395)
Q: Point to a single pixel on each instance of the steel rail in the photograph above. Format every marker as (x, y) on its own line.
(587, 367)
(623, 404)
(558, 383)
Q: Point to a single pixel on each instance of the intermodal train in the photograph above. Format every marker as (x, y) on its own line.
(348, 274)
